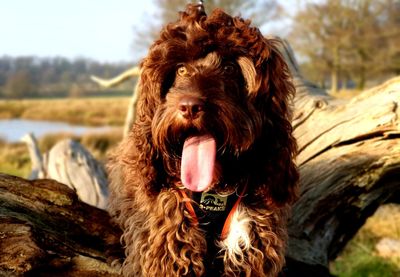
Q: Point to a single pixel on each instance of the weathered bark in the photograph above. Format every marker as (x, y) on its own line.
(69, 163)
(46, 231)
(350, 164)
(349, 160)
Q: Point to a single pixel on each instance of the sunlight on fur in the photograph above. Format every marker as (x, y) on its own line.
(238, 241)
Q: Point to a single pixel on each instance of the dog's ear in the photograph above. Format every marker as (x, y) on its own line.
(249, 73)
(141, 146)
(274, 100)
(149, 90)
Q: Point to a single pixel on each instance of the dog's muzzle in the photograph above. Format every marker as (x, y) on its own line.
(191, 107)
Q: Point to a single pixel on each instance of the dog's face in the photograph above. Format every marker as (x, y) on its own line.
(208, 100)
(213, 106)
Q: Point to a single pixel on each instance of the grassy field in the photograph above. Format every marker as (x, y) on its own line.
(82, 111)
(359, 259)
(14, 159)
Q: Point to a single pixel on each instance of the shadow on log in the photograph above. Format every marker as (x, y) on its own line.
(349, 163)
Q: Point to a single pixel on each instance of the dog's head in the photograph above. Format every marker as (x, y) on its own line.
(213, 109)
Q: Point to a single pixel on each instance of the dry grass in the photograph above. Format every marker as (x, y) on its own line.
(385, 222)
(82, 111)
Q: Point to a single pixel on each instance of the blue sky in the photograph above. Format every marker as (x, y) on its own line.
(97, 29)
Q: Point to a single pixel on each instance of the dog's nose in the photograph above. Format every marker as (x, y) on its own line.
(190, 107)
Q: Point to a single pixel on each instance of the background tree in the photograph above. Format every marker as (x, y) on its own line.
(32, 76)
(76, 91)
(19, 85)
(348, 39)
(167, 11)
(375, 27)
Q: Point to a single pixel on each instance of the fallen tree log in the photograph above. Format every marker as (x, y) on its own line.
(46, 231)
(349, 160)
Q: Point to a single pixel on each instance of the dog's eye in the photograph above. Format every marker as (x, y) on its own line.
(229, 69)
(182, 71)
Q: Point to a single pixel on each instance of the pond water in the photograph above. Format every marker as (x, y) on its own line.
(13, 129)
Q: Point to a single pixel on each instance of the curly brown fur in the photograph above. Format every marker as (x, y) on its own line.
(243, 89)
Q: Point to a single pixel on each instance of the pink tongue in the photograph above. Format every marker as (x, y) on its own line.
(197, 165)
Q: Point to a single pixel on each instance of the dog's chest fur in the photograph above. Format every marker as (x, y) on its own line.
(212, 212)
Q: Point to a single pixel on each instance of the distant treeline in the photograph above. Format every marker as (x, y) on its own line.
(22, 77)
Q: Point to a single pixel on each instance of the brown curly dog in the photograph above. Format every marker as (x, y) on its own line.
(202, 185)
